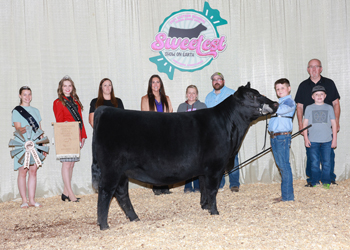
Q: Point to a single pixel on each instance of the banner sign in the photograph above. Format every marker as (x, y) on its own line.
(188, 40)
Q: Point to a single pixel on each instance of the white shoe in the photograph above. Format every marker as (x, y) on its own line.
(221, 189)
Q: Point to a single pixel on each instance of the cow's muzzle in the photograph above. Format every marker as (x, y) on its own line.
(266, 109)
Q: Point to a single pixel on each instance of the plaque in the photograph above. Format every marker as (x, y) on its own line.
(67, 141)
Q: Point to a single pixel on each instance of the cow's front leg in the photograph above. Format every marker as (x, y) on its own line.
(212, 202)
(104, 199)
(122, 195)
(212, 187)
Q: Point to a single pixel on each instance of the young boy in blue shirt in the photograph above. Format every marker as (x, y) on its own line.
(321, 137)
(280, 129)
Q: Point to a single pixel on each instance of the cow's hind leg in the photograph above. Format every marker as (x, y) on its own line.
(95, 170)
(204, 197)
(122, 195)
(104, 199)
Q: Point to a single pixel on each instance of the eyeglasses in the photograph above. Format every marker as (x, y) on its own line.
(314, 67)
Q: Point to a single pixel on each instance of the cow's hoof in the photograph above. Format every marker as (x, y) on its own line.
(104, 227)
(132, 217)
(205, 207)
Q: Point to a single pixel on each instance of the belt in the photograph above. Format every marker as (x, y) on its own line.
(273, 135)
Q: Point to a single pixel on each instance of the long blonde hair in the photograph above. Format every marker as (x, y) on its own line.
(73, 93)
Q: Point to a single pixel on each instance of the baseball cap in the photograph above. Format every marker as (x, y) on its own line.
(217, 74)
(318, 88)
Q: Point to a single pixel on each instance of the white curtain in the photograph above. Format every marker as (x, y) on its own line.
(43, 40)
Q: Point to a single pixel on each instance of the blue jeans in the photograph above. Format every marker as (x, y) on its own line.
(320, 151)
(233, 177)
(308, 166)
(188, 185)
(280, 149)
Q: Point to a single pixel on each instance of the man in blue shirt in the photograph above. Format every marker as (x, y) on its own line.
(220, 93)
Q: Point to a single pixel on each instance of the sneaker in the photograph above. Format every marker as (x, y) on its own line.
(221, 189)
(234, 189)
(334, 183)
(308, 184)
(279, 199)
(326, 186)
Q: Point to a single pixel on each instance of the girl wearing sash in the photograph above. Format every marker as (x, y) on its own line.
(22, 116)
(156, 100)
(67, 108)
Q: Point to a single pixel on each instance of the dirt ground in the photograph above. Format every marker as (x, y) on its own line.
(249, 219)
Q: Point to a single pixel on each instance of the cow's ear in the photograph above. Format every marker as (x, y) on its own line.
(248, 85)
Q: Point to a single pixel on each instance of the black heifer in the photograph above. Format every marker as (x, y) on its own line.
(164, 148)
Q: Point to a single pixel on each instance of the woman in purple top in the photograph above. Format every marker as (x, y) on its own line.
(156, 100)
(156, 97)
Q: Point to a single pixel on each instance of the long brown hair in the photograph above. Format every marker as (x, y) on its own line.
(73, 93)
(20, 92)
(100, 98)
(151, 97)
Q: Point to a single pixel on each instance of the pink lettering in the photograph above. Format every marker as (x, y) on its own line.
(202, 47)
(158, 44)
(206, 45)
(193, 44)
(199, 51)
(214, 44)
(184, 44)
(172, 43)
(221, 45)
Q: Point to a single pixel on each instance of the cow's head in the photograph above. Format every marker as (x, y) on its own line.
(256, 104)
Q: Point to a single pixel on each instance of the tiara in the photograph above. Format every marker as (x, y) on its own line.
(66, 77)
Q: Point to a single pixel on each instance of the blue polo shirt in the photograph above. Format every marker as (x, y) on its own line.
(213, 99)
(281, 124)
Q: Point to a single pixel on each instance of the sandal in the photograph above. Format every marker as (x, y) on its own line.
(24, 205)
(36, 205)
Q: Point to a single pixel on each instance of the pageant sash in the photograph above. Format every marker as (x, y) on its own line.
(32, 122)
(73, 109)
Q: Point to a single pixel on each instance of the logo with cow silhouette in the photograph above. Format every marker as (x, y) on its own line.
(188, 40)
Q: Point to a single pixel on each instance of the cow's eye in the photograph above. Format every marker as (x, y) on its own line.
(250, 95)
